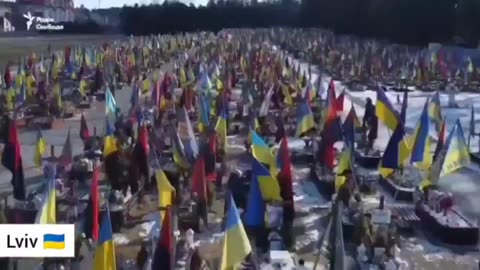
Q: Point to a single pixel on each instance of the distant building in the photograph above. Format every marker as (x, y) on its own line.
(6, 25)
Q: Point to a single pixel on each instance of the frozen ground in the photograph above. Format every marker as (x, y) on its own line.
(419, 252)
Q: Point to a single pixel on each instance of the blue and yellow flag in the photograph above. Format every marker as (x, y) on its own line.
(385, 111)
(255, 211)
(457, 155)
(53, 241)
(203, 119)
(205, 83)
(178, 151)
(435, 111)
(236, 245)
(105, 251)
(221, 127)
(268, 183)
(421, 141)
(40, 149)
(397, 150)
(47, 214)
(344, 164)
(261, 151)
(304, 118)
(166, 192)
(109, 142)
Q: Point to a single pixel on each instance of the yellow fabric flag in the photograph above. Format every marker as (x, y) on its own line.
(83, 87)
(146, 86)
(343, 165)
(219, 85)
(182, 76)
(287, 97)
(109, 145)
(166, 192)
(19, 80)
(30, 83)
(40, 150)
(48, 213)
(10, 99)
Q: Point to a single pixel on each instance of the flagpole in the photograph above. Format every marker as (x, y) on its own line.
(469, 137)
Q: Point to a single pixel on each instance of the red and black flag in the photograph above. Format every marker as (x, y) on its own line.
(163, 255)
(12, 160)
(200, 186)
(91, 225)
(84, 132)
(210, 157)
(7, 77)
(186, 100)
(140, 158)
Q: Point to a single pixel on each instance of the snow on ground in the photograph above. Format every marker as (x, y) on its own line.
(419, 252)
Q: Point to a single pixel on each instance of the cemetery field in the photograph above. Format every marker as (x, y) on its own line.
(12, 48)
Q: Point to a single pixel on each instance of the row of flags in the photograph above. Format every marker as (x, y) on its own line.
(449, 155)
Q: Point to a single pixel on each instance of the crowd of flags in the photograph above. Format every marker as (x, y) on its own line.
(449, 155)
(272, 174)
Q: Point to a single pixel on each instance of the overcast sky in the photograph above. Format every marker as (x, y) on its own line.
(118, 3)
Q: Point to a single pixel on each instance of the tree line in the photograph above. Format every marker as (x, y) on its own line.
(412, 22)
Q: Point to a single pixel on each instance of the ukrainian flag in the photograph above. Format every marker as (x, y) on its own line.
(221, 127)
(261, 151)
(109, 142)
(178, 152)
(166, 192)
(396, 152)
(182, 76)
(343, 165)
(205, 83)
(457, 155)
(83, 87)
(385, 111)
(146, 86)
(236, 246)
(268, 184)
(435, 111)
(421, 141)
(47, 214)
(255, 210)
(286, 93)
(40, 149)
(304, 118)
(105, 251)
(53, 241)
(202, 113)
